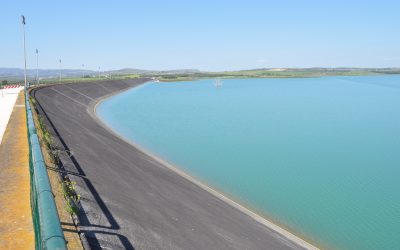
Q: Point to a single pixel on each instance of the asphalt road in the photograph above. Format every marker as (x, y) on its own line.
(131, 201)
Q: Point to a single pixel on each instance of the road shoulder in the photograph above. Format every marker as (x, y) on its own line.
(16, 226)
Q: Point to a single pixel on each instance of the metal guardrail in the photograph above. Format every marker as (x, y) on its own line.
(48, 232)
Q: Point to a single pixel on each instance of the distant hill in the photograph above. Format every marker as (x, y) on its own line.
(17, 73)
(190, 74)
(145, 72)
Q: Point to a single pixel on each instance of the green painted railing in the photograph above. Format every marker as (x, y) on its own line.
(48, 232)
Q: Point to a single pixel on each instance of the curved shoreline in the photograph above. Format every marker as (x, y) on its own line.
(269, 224)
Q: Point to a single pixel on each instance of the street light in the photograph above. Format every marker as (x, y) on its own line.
(83, 70)
(23, 31)
(37, 66)
(60, 71)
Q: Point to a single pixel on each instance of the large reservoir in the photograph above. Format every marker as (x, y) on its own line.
(317, 156)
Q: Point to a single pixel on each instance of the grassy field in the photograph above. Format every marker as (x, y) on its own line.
(275, 73)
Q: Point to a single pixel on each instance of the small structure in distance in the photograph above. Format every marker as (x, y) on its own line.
(218, 83)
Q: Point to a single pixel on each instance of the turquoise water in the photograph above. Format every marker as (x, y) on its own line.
(319, 156)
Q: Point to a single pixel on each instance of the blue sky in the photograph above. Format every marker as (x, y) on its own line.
(208, 34)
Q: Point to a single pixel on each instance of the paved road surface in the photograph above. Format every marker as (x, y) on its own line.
(129, 199)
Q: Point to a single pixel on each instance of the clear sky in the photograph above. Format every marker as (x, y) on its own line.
(205, 34)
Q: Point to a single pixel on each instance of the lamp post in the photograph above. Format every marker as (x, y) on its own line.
(83, 70)
(23, 31)
(59, 79)
(37, 66)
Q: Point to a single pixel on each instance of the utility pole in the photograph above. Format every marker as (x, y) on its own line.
(23, 31)
(83, 70)
(60, 71)
(37, 66)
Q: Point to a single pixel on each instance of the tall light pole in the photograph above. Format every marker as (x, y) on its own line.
(59, 79)
(37, 66)
(23, 31)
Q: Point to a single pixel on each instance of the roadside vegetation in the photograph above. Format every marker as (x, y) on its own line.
(51, 155)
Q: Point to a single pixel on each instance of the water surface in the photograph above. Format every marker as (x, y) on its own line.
(319, 156)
